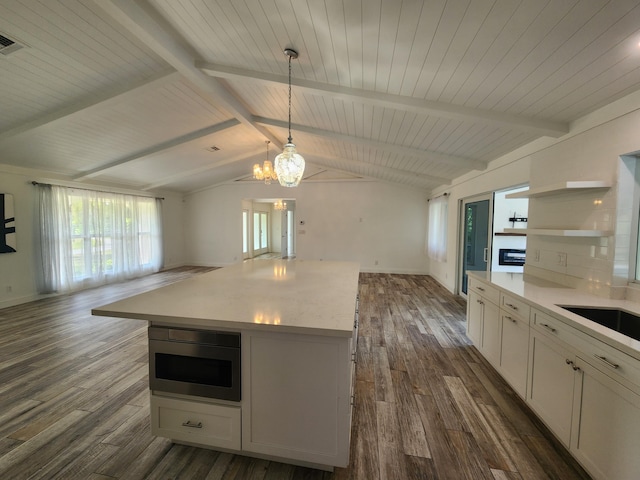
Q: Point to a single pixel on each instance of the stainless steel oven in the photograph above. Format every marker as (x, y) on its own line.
(203, 363)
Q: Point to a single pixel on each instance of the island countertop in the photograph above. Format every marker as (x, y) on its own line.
(293, 296)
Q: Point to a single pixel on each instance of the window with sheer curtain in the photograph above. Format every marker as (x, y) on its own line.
(437, 234)
(90, 238)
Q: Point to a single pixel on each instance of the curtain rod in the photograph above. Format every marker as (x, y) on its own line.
(445, 194)
(93, 190)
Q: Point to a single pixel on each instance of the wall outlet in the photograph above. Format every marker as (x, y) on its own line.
(562, 259)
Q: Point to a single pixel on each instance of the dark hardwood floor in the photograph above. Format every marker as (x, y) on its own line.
(74, 399)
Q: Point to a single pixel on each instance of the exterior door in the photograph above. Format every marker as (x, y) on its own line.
(476, 230)
(284, 234)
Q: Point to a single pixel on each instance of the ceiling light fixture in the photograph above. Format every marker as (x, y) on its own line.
(289, 165)
(265, 172)
(280, 205)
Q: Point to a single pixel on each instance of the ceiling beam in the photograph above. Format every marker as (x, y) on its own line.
(103, 101)
(462, 162)
(159, 148)
(199, 170)
(142, 21)
(323, 161)
(400, 102)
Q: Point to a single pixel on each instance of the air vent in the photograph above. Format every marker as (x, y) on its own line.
(8, 46)
(213, 148)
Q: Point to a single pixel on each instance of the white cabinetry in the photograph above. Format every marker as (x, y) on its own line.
(296, 397)
(586, 391)
(550, 391)
(514, 342)
(606, 422)
(483, 319)
(197, 422)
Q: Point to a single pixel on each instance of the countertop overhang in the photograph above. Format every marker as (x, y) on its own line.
(292, 296)
(548, 296)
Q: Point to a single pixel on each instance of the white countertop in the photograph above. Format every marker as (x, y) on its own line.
(547, 296)
(293, 296)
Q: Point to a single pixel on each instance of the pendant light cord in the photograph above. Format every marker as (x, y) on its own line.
(290, 139)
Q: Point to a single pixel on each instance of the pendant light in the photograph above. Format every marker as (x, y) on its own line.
(289, 165)
(266, 172)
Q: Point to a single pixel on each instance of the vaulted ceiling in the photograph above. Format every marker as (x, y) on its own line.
(183, 94)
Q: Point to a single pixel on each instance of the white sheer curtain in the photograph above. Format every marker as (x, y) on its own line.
(89, 238)
(437, 234)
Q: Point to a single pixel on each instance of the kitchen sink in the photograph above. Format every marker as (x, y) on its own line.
(619, 320)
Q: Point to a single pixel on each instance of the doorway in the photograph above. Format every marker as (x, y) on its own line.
(476, 230)
(268, 229)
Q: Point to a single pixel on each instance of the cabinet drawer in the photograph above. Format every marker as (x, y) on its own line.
(553, 327)
(515, 306)
(485, 290)
(196, 422)
(610, 361)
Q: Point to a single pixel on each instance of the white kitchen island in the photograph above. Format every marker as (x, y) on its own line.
(298, 326)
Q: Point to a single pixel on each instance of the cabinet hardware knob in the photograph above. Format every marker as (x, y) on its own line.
(575, 368)
(568, 362)
(548, 327)
(512, 319)
(608, 362)
(512, 306)
(190, 424)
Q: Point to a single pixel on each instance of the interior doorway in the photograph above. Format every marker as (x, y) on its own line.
(268, 228)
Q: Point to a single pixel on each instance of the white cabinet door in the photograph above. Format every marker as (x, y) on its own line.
(514, 352)
(491, 332)
(296, 397)
(551, 382)
(606, 426)
(474, 318)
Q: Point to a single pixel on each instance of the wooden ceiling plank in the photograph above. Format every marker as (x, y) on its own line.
(87, 107)
(159, 148)
(143, 22)
(398, 149)
(424, 107)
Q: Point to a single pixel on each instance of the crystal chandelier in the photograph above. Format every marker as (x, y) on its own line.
(280, 205)
(266, 172)
(289, 165)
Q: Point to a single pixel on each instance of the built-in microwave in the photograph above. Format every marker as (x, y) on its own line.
(201, 363)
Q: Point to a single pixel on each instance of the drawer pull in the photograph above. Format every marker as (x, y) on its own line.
(189, 424)
(548, 327)
(568, 362)
(575, 368)
(480, 288)
(480, 302)
(608, 362)
(512, 319)
(512, 306)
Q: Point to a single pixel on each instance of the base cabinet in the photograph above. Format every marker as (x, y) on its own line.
(483, 326)
(196, 422)
(294, 385)
(514, 352)
(551, 379)
(606, 425)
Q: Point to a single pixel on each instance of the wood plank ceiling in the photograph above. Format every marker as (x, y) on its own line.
(136, 92)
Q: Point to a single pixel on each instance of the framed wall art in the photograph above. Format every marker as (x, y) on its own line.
(7, 224)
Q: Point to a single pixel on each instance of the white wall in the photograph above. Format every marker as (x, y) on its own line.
(364, 221)
(18, 270)
(590, 151)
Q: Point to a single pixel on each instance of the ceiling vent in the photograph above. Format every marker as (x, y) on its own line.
(8, 46)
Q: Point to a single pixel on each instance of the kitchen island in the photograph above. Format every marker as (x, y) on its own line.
(297, 324)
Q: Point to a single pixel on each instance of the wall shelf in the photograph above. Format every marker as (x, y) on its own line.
(563, 187)
(553, 232)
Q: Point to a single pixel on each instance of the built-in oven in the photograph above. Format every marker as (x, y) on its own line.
(203, 363)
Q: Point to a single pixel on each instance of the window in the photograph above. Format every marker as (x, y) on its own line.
(90, 237)
(260, 232)
(437, 232)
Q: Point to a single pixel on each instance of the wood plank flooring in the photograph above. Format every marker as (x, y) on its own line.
(74, 400)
